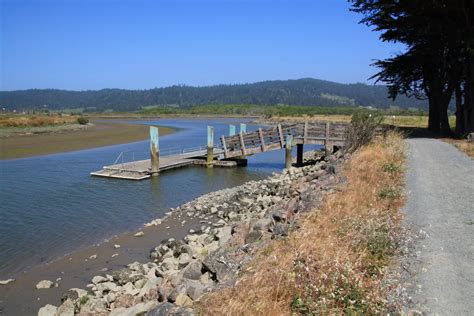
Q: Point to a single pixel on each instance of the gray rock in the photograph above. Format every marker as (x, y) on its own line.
(263, 224)
(180, 289)
(224, 235)
(138, 309)
(47, 310)
(183, 300)
(193, 270)
(74, 294)
(280, 229)
(253, 236)
(66, 309)
(219, 266)
(94, 306)
(44, 284)
(124, 276)
(163, 309)
(195, 289)
(98, 279)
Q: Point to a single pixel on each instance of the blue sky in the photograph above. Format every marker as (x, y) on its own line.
(139, 44)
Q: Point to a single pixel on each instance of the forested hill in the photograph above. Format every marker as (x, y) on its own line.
(308, 92)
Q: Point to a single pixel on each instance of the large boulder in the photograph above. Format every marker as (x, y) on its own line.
(193, 270)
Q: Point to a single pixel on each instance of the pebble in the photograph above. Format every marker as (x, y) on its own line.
(139, 234)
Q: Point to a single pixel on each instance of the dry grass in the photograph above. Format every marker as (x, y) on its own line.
(336, 262)
(35, 121)
(462, 144)
(420, 121)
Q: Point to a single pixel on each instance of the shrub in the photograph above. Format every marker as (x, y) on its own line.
(362, 129)
(82, 120)
(391, 168)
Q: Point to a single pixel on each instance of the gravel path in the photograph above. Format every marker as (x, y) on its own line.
(440, 203)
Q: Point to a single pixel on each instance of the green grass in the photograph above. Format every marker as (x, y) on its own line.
(265, 110)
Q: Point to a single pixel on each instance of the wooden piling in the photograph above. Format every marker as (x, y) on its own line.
(299, 155)
(154, 151)
(288, 149)
(210, 146)
(328, 145)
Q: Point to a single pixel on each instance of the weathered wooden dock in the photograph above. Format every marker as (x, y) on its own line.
(141, 169)
(232, 149)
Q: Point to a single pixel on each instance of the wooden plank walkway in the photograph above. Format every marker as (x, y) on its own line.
(319, 133)
(141, 169)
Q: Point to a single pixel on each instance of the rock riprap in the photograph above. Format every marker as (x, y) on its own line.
(235, 222)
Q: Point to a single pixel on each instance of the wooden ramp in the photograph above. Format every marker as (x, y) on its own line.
(141, 169)
(318, 133)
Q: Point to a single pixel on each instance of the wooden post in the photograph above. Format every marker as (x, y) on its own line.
(154, 150)
(305, 133)
(288, 148)
(327, 143)
(243, 128)
(210, 146)
(280, 134)
(262, 140)
(299, 155)
(231, 130)
(224, 146)
(242, 144)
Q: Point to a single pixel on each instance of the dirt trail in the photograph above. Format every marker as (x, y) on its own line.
(440, 205)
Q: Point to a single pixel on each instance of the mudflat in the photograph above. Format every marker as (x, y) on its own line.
(100, 133)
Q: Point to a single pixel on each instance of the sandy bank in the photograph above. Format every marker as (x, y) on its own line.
(62, 139)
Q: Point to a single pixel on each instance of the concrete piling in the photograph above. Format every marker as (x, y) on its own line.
(243, 128)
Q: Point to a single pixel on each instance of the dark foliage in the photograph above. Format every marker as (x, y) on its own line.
(363, 128)
(304, 92)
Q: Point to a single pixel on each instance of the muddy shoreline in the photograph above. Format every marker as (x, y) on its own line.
(99, 133)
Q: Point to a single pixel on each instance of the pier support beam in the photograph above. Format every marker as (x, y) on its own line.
(231, 130)
(299, 155)
(210, 146)
(288, 149)
(154, 150)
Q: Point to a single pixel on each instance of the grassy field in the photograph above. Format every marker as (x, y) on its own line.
(264, 110)
(337, 262)
(36, 120)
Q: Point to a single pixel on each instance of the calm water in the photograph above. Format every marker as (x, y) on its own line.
(51, 206)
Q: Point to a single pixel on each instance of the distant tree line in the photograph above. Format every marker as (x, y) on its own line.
(439, 60)
(303, 92)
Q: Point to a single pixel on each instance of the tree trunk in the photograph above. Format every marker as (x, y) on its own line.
(459, 112)
(434, 111)
(469, 96)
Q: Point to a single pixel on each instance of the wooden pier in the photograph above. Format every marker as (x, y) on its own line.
(233, 149)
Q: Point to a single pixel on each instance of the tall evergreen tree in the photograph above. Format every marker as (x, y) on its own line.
(438, 60)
